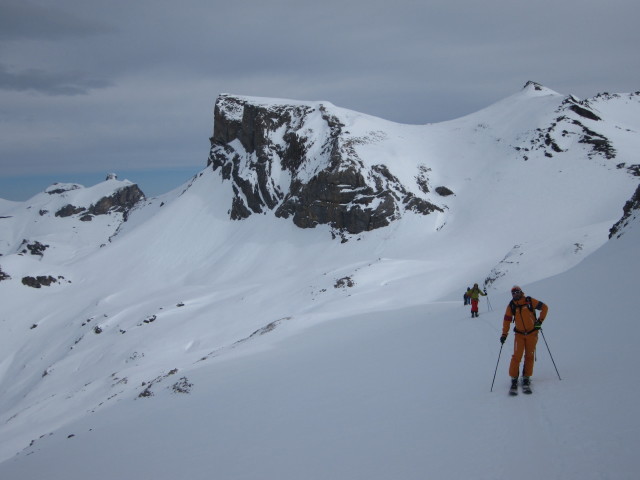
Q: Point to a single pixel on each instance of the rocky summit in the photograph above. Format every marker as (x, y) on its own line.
(300, 161)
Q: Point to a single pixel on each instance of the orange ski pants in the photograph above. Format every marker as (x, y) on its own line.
(523, 344)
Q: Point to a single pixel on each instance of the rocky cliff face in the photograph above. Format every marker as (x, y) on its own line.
(122, 201)
(300, 162)
(631, 210)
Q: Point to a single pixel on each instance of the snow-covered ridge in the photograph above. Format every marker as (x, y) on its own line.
(319, 164)
(67, 219)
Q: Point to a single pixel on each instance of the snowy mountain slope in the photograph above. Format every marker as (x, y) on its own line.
(181, 287)
(387, 394)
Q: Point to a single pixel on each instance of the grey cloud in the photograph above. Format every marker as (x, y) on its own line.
(21, 19)
(32, 44)
(67, 83)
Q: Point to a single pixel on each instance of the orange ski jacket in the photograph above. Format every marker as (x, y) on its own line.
(524, 318)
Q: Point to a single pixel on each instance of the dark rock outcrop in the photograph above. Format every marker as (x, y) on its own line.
(3, 275)
(34, 248)
(58, 188)
(443, 191)
(299, 162)
(39, 281)
(630, 210)
(69, 210)
(123, 200)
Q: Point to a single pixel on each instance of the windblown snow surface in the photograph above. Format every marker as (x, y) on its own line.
(190, 346)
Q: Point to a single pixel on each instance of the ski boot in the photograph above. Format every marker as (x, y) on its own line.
(514, 386)
(526, 385)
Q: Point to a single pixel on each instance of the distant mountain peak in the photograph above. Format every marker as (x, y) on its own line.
(532, 85)
(537, 89)
(93, 213)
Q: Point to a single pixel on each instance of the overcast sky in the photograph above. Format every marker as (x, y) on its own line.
(89, 87)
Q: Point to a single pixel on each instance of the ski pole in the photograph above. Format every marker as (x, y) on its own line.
(489, 304)
(554, 363)
(494, 373)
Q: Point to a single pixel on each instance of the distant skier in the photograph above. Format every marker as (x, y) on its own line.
(465, 297)
(521, 311)
(474, 294)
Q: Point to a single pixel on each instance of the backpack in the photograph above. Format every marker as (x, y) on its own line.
(529, 305)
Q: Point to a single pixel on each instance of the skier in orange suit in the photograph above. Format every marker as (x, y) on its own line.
(521, 312)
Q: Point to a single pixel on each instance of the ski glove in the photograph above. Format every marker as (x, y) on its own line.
(537, 325)
(503, 338)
